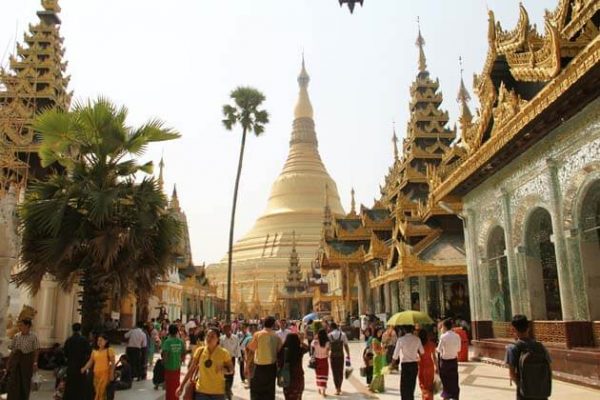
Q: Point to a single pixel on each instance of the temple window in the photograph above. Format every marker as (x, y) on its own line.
(542, 272)
(497, 275)
(589, 221)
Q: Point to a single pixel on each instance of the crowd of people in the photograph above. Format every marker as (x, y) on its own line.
(269, 353)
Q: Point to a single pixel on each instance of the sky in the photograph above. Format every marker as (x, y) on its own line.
(179, 60)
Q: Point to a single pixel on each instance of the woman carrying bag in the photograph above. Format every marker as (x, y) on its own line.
(205, 379)
(427, 366)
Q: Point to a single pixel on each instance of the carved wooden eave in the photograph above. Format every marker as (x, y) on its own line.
(537, 65)
(581, 14)
(579, 80)
(378, 250)
(508, 41)
(379, 225)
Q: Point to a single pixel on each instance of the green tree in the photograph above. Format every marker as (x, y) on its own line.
(91, 221)
(244, 111)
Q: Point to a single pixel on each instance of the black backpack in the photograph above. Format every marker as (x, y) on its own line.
(337, 346)
(533, 370)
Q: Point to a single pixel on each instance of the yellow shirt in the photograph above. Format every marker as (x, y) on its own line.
(101, 358)
(211, 380)
(265, 345)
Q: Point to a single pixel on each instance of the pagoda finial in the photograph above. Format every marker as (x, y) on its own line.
(395, 142)
(420, 43)
(293, 241)
(51, 5)
(353, 202)
(174, 199)
(161, 181)
(303, 107)
(463, 99)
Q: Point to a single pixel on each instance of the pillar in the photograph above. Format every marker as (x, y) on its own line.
(394, 292)
(474, 271)
(517, 290)
(573, 238)
(362, 289)
(404, 286)
(565, 275)
(423, 294)
(45, 305)
(64, 314)
(441, 296)
(387, 296)
(6, 265)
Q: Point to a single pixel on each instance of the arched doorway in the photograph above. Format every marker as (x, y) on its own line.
(589, 222)
(542, 272)
(497, 274)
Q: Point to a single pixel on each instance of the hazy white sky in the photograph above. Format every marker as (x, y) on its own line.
(178, 60)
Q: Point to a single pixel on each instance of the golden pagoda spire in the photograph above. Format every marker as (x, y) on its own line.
(352, 202)
(395, 143)
(303, 107)
(420, 43)
(161, 181)
(463, 99)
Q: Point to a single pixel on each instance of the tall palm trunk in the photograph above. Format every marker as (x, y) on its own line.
(232, 224)
(93, 299)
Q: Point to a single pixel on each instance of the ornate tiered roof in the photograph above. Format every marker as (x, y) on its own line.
(525, 77)
(34, 81)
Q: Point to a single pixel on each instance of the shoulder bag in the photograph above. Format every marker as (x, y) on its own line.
(190, 386)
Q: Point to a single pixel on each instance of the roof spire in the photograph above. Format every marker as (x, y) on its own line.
(420, 43)
(174, 199)
(303, 107)
(353, 202)
(161, 181)
(463, 99)
(395, 142)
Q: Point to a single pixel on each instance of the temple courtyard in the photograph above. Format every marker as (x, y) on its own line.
(477, 381)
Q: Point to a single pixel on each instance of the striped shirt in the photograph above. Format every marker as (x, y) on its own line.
(25, 343)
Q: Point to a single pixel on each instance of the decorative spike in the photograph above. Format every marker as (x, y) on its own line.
(353, 202)
(161, 181)
(463, 99)
(420, 43)
(303, 106)
(395, 143)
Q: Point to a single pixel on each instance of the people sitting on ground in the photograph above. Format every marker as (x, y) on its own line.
(52, 359)
(123, 374)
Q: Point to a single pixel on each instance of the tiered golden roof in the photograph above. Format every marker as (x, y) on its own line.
(524, 74)
(34, 81)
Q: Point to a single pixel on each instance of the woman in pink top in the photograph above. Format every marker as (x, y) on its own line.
(321, 351)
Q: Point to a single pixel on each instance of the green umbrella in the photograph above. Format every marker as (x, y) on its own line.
(410, 318)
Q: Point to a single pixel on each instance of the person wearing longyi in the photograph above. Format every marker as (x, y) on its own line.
(408, 349)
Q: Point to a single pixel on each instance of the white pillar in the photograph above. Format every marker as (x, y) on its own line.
(45, 305)
(8, 257)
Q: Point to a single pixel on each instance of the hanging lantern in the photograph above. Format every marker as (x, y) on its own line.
(351, 4)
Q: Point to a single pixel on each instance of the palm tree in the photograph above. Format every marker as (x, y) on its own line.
(91, 221)
(244, 111)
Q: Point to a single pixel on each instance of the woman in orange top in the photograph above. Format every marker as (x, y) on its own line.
(427, 365)
(102, 361)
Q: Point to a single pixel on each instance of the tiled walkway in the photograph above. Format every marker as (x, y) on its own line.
(477, 380)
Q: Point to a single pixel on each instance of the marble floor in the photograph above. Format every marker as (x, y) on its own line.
(477, 380)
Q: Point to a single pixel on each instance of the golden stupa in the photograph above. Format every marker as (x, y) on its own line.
(296, 204)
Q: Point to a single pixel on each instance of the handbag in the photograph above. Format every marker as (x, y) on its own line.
(437, 384)
(312, 363)
(363, 371)
(283, 374)
(190, 387)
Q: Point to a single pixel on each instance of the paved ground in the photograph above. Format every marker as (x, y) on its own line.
(478, 381)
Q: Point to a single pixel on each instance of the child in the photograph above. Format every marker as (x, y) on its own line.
(158, 373)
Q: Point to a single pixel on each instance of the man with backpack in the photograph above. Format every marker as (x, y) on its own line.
(528, 363)
(338, 342)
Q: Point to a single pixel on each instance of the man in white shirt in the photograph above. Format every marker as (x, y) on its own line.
(408, 349)
(231, 343)
(448, 349)
(136, 341)
(283, 331)
(191, 324)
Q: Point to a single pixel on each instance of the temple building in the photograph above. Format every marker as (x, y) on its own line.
(400, 254)
(295, 205)
(526, 172)
(34, 81)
